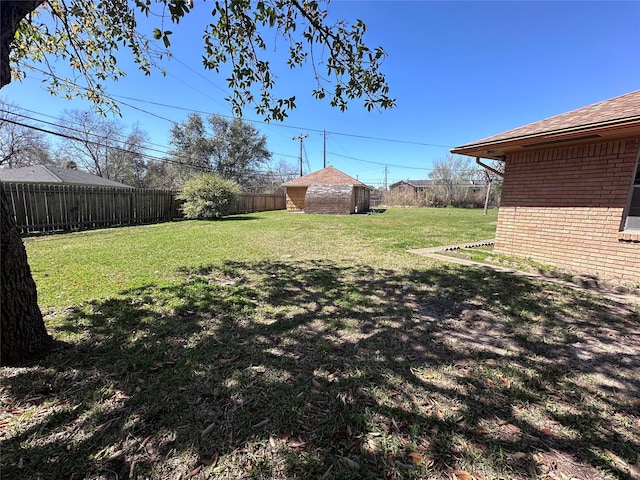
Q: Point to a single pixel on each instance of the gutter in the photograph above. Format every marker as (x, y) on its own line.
(491, 169)
(553, 134)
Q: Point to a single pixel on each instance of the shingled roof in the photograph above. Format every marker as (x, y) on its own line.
(413, 183)
(48, 174)
(326, 176)
(609, 118)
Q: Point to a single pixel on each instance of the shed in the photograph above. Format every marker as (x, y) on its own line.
(327, 191)
(56, 175)
(571, 191)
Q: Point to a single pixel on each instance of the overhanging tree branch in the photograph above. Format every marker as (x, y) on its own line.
(11, 14)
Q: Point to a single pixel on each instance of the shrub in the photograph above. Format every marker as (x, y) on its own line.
(208, 196)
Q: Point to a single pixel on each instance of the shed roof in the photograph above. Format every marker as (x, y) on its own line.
(413, 183)
(49, 174)
(327, 176)
(609, 118)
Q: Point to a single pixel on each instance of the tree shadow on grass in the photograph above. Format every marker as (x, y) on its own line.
(318, 369)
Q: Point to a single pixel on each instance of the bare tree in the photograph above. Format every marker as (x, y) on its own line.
(127, 163)
(456, 181)
(103, 147)
(271, 180)
(20, 144)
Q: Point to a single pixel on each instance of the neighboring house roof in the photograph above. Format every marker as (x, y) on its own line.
(413, 183)
(47, 174)
(609, 118)
(326, 176)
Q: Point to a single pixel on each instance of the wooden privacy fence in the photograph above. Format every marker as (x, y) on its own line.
(260, 202)
(48, 208)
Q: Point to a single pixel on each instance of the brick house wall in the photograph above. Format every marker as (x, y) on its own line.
(566, 206)
(402, 187)
(336, 199)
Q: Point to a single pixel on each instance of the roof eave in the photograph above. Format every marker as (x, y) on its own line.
(496, 149)
(310, 184)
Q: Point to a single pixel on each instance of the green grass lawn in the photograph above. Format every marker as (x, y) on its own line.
(73, 268)
(281, 346)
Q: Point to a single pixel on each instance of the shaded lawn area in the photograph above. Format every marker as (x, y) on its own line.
(321, 366)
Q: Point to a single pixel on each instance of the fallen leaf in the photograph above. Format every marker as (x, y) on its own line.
(416, 458)
(462, 475)
(424, 445)
(285, 435)
(479, 431)
(506, 382)
(370, 448)
(511, 427)
(296, 443)
(519, 455)
(347, 462)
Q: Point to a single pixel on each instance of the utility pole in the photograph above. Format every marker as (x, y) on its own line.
(324, 150)
(385, 177)
(301, 138)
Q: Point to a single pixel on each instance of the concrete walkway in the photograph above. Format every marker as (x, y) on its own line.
(587, 286)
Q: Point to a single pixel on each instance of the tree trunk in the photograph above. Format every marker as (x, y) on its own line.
(22, 331)
(11, 14)
(23, 334)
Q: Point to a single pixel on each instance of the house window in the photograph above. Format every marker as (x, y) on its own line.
(633, 217)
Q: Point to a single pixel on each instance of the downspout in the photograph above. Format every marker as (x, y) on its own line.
(491, 169)
(486, 197)
(489, 180)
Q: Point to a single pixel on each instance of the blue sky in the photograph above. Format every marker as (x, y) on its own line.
(460, 71)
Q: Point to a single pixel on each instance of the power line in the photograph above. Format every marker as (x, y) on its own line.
(281, 125)
(66, 127)
(165, 151)
(386, 164)
(78, 139)
(377, 163)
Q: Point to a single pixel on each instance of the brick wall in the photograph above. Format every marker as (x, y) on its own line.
(565, 207)
(329, 199)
